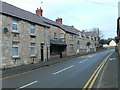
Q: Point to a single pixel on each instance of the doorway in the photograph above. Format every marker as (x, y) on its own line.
(42, 52)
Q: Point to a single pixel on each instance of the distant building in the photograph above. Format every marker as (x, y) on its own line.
(109, 43)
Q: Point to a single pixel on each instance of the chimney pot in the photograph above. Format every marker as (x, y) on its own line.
(39, 12)
(59, 20)
(72, 27)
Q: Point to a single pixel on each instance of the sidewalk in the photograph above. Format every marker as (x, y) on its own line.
(20, 69)
(109, 75)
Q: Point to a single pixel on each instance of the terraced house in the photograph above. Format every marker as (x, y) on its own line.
(63, 38)
(24, 37)
(29, 38)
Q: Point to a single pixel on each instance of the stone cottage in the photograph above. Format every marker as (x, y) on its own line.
(24, 37)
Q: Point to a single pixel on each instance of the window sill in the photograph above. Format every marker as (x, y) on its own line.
(32, 35)
(33, 56)
(15, 32)
(61, 37)
(15, 57)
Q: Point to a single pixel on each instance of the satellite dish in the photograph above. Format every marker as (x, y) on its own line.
(5, 30)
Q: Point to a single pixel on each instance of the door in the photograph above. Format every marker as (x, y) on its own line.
(42, 52)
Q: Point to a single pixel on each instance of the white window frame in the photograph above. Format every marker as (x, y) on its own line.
(15, 22)
(15, 46)
(71, 37)
(61, 35)
(32, 27)
(32, 45)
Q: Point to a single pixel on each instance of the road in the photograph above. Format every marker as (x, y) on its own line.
(72, 73)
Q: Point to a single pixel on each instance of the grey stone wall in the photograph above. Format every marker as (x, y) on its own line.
(42, 35)
(0, 45)
(24, 39)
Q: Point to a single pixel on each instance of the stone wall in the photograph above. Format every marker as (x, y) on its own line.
(24, 39)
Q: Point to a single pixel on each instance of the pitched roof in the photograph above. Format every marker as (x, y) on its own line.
(28, 16)
(69, 29)
(22, 14)
(63, 27)
(57, 42)
(91, 33)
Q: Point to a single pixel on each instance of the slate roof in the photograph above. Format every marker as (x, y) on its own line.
(63, 27)
(28, 16)
(90, 33)
(22, 14)
(68, 29)
(57, 42)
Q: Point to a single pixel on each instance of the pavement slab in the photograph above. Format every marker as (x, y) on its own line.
(109, 74)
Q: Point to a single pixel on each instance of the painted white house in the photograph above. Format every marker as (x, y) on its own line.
(111, 43)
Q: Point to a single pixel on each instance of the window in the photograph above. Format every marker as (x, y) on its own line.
(71, 37)
(81, 46)
(84, 46)
(55, 35)
(95, 38)
(61, 35)
(15, 49)
(32, 29)
(71, 47)
(32, 49)
(15, 25)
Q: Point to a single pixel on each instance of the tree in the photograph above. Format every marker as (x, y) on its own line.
(101, 35)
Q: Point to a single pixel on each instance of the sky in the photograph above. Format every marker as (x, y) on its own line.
(82, 14)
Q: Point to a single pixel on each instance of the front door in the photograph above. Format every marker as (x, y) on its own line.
(42, 52)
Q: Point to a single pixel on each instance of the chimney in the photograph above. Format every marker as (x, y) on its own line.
(72, 27)
(59, 20)
(39, 12)
(83, 31)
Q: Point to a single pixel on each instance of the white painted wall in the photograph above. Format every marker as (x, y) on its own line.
(112, 43)
(105, 45)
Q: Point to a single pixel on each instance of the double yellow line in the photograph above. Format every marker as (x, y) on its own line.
(94, 76)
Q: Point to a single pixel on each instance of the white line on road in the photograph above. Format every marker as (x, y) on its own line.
(27, 85)
(80, 61)
(83, 61)
(63, 69)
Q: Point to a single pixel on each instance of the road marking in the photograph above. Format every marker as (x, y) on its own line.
(112, 59)
(93, 81)
(27, 85)
(21, 73)
(63, 69)
(80, 61)
(83, 61)
(91, 55)
(94, 76)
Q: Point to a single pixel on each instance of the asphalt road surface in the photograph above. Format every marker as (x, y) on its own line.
(72, 73)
